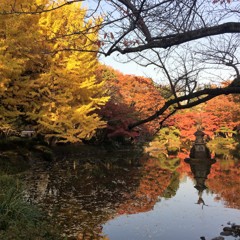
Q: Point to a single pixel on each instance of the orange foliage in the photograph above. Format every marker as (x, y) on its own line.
(132, 98)
(225, 182)
(186, 122)
(142, 94)
(220, 112)
(225, 109)
(184, 168)
(153, 184)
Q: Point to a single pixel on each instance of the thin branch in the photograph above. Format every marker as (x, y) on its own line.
(139, 20)
(39, 9)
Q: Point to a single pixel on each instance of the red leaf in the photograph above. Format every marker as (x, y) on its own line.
(112, 36)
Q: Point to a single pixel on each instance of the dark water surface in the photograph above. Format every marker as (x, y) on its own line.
(126, 195)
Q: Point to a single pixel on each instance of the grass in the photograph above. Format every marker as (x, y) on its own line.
(19, 220)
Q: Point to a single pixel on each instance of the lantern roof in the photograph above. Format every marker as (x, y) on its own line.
(199, 133)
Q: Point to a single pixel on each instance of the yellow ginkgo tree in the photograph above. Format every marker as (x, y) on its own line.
(57, 92)
(21, 62)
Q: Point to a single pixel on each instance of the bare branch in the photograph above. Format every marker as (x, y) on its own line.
(206, 95)
(177, 39)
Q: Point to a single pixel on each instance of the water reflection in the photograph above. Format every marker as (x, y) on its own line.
(200, 169)
(82, 192)
(200, 162)
(92, 195)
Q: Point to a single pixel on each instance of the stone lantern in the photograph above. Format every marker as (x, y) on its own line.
(199, 149)
(199, 136)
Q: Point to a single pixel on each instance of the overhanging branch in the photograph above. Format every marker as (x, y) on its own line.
(202, 96)
(177, 39)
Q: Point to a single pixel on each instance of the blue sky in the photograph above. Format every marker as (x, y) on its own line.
(130, 67)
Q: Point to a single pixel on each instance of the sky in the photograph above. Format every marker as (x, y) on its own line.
(130, 67)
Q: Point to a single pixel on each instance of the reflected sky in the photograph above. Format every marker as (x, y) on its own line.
(175, 218)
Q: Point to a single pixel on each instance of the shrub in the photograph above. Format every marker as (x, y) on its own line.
(19, 219)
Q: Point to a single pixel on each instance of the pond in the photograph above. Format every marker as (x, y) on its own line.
(129, 195)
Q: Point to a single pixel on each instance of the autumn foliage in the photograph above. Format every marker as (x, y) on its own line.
(217, 116)
(132, 98)
(224, 180)
(44, 86)
(155, 182)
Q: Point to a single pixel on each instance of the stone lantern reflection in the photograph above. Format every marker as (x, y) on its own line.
(200, 162)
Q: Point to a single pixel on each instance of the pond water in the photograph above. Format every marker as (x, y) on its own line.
(128, 195)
